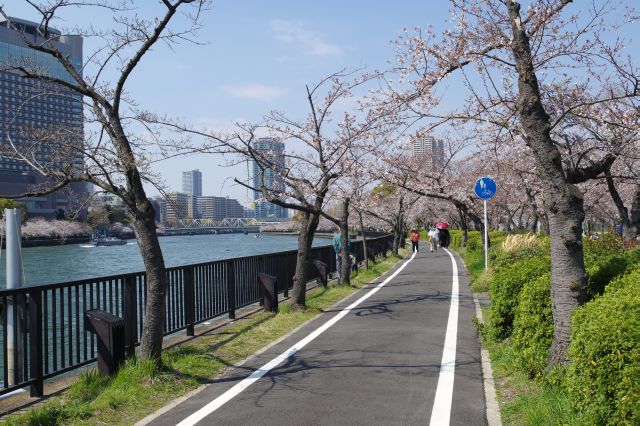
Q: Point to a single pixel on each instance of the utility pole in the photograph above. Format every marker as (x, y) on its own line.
(14, 280)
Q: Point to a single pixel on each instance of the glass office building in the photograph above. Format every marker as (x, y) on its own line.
(192, 183)
(32, 111)
(273, 150)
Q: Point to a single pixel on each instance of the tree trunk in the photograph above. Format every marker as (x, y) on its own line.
(305, 239)
(397, 236)
(635, 213)
(463, 227)
(152, 328)
(563, 201)
(623, 213)
(345, 272)
(568, 276)
(364, 242)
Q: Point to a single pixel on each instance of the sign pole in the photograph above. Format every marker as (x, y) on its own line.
(486, 238)
(485, 189)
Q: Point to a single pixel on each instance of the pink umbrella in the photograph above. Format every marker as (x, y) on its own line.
(442, 225)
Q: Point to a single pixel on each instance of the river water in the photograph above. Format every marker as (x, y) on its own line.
(54, 264)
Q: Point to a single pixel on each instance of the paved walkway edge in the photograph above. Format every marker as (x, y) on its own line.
(493, 410)
(151, 417)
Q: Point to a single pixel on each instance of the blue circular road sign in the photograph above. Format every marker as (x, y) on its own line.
(485, 188)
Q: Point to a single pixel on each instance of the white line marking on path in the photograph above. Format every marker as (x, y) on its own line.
(441, 412)
(256, 375)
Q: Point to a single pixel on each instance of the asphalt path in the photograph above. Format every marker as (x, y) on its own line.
(379, 364)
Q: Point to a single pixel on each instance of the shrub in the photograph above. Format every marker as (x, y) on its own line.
(605, 246)
(602, 270)
(519, 241)
(533, 325)
(502, 258)
(456, 237)
(604, 373)
(505, 289)
(474, 241)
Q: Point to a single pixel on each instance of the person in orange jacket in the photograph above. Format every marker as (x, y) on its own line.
(415, 237)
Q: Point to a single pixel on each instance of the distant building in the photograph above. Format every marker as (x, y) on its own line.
(175, 207)
(29, 105)
(234, 209)
(273, 150)
(192, 183)
(429, 149)
(218, 208)
(183, 206)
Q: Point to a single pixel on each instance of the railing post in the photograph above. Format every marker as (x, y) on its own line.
(323, 271)
(189, 302)
(269, 286)
(35, 344)
(259, 269)
(130, 315)
(286, 276)
(231, 290)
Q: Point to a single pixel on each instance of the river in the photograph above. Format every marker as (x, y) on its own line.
(54, 264)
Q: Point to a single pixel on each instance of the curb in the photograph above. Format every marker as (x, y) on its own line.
(493, 410)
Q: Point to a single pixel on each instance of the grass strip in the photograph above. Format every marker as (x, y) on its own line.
(140, 387)
(524, 401)
(479, 279)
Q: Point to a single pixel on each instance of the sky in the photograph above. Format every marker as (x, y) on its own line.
(255, 56)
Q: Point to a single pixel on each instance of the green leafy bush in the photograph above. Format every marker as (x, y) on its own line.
(604, 373)
(501, 258)
(533, 325)
(456, 237)
(602, 270)
(505, 289)
(605, 246)
(474, 241)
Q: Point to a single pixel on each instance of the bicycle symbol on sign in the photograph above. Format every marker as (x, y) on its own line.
(485, 188)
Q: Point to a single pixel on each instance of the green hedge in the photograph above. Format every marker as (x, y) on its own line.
(533, 325)
(604, 373)
(605, 246)
(505, 289)
(602, 270)
(501, 258)
(456, 237)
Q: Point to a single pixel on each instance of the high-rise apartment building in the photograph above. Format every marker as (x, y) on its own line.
(273, 151)
(192, 183)
(218, 208)
(30, 106)
(183, 206)
(428, 149)
(175, 207)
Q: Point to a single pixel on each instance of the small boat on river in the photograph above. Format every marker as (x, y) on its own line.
(103, 240)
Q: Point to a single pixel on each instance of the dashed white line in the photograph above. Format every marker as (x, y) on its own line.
(441, 412)
(256, 375)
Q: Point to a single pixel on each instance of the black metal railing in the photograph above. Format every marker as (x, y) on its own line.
(49, 319)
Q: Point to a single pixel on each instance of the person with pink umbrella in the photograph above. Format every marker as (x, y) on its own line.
(443, 233)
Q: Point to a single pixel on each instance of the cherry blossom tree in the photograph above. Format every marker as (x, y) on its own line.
(318, 152)
(114, 157)
(528, 74)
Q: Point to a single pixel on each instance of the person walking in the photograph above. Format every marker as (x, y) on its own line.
(433, 238)
(415, 238)
(337, 248)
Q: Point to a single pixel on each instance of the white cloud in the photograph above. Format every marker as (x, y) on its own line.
(256, 91)
(294, 32)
